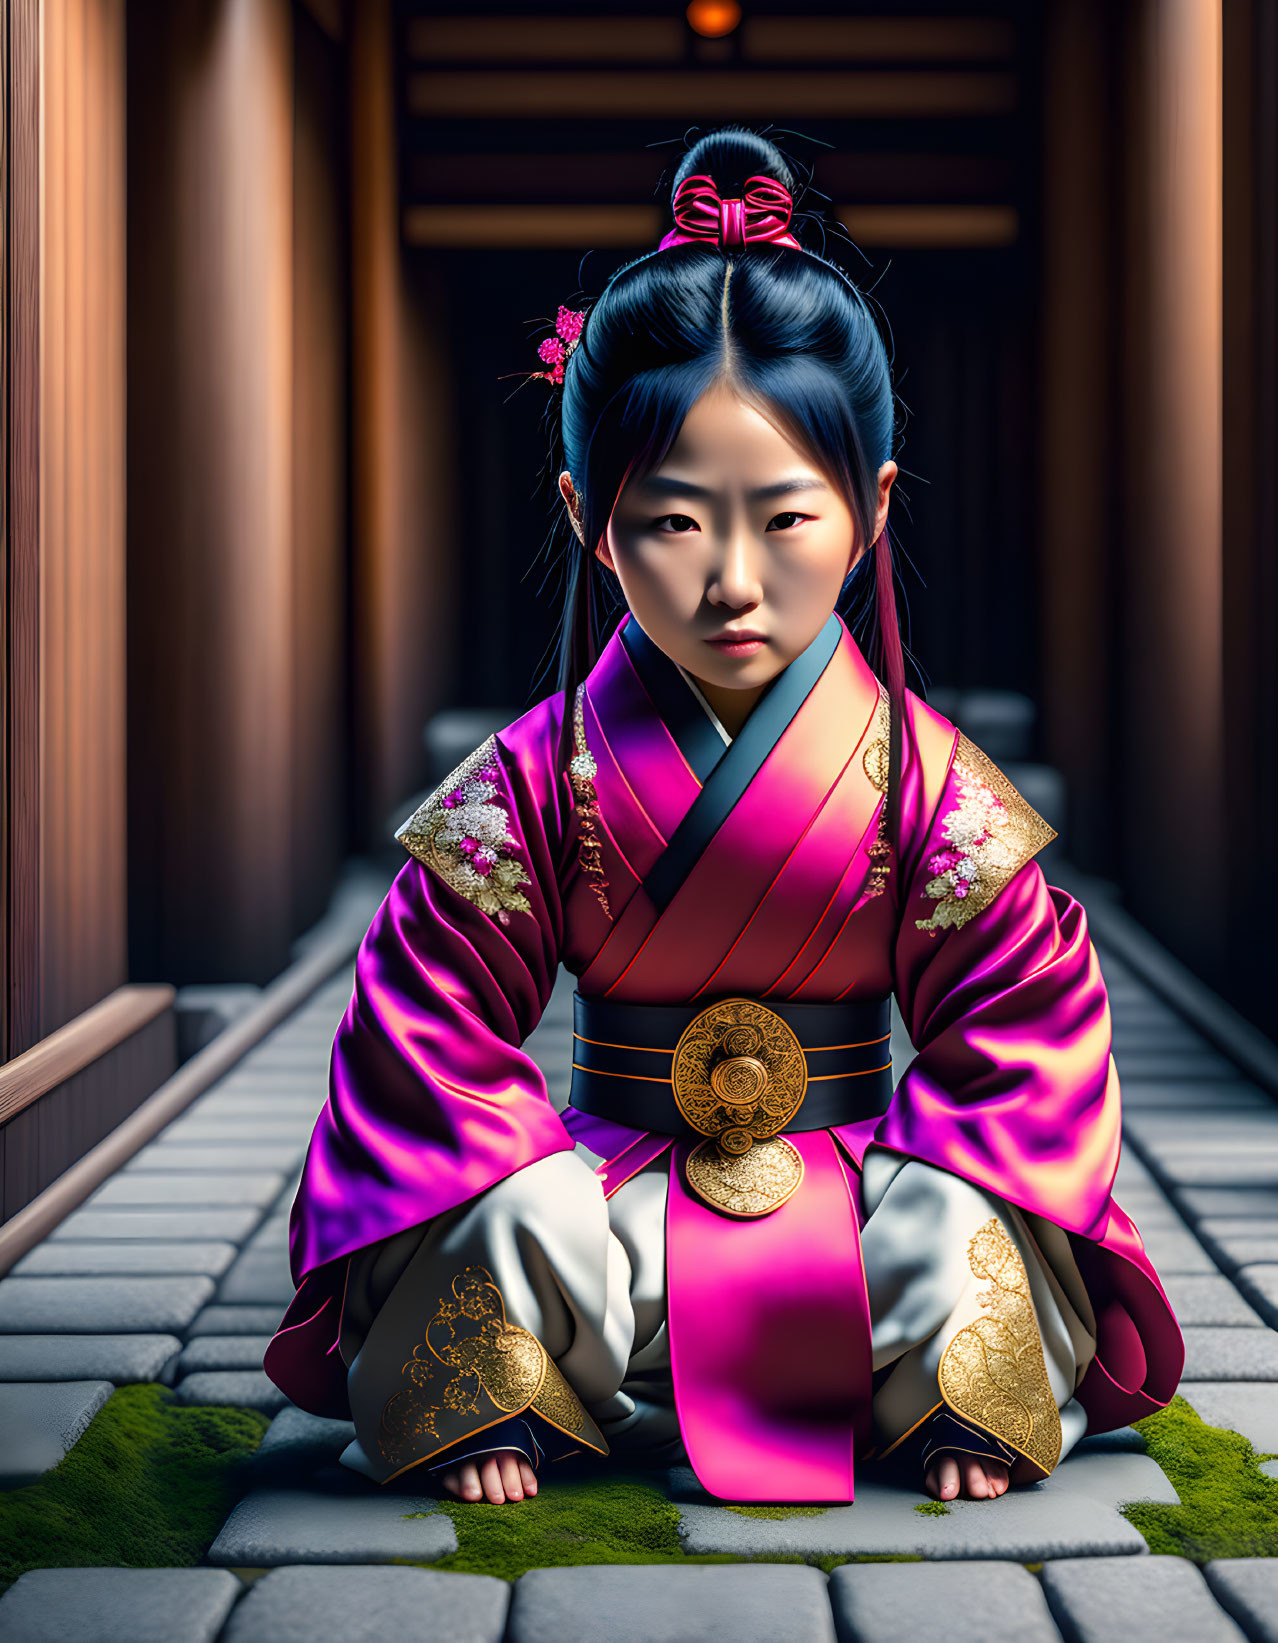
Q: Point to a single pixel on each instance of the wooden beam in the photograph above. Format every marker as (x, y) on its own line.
(76, 1046)
(931, 227)
(492, 227)
(737, 94)
(479, 39)
(528, 227)
(877, 39)
(485, 39)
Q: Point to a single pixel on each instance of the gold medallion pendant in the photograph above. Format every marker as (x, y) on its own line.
(745, 1184)
(739, 1077)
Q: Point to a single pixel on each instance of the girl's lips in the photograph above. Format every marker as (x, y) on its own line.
(733, 645)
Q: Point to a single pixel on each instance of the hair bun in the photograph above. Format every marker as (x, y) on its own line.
(731, 156)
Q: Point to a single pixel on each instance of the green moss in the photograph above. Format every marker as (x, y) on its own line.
(777, 1512)
(148, 1486)
(617, 1519)
(933, 1508)
(1229, 1508)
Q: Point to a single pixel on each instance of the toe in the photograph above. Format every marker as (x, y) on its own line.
(975, 1479)
(490, 1477)
(511, 1481)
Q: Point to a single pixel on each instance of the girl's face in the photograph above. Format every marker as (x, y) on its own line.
(732, 553)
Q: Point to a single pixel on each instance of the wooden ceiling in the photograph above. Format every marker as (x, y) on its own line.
(524, 128)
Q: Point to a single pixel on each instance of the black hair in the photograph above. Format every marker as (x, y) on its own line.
(787, 328)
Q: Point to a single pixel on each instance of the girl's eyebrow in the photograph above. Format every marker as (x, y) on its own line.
(666, 485)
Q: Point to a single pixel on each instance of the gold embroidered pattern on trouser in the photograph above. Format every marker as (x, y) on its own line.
(993, 1371)
(471, 1370)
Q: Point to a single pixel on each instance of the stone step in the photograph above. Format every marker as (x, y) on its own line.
(118, 1605)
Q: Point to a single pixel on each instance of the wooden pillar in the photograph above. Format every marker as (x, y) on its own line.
(1078, 426)
(403, 478)
(1170, 695)
(64, 628)
(1250, 438)
(211, 571)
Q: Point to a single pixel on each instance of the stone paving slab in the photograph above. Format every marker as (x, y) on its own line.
(234, 1224)
(1141, 1094)
(165, 1157)
(705, 1603)
(41, 1420)
(370, 1605)
(1120, 1440)
(1243, 1251)
(251, 1389)
(1247, 1407)
(1117, 1600)
(1200, 1066)
(118, 1605)
(978, 1602)
(222, 1352)
(139, 1189)
(1174, 1251)
(1220, 1202)
(1248, 1588)
(236, 1320)
(236, 1128)
(1059, 1517)
(78, 1306)
(1202, 1299)
(260, 1278)
(117, 1358)
(1254, 1166)
(250, 1096)
(1231, 1355)
(271, 1527)
(1260, 1285)
(300, 1440)
(68, 1259)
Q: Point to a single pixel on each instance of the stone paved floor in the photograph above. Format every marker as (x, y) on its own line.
(176, 1271)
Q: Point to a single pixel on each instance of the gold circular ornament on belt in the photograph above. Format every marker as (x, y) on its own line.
(739, 1076)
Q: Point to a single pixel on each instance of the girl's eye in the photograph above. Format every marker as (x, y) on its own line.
(786, 521)
(675, 524)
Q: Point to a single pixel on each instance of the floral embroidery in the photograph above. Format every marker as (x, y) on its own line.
(582, 771)
(470, 1368)
(992, 833)
(463, 833)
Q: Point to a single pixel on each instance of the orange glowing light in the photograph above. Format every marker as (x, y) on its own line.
(713, 18)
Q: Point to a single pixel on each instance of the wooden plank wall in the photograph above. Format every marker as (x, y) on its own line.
(237, 486)
(82, 800)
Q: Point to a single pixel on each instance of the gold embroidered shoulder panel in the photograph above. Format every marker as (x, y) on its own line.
(472, 1369)
(462, 832)
(991, 832)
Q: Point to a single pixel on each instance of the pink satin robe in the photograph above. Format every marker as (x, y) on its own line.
(1013, 1088)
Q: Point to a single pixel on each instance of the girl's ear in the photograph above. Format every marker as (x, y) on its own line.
(887, 475)
(572, 502)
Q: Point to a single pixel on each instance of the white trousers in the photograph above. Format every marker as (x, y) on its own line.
(586, 1276)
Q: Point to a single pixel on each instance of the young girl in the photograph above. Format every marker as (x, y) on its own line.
(738, 1246)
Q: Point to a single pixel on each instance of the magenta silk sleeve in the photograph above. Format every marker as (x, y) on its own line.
(431, 1099)
(1013, 1085)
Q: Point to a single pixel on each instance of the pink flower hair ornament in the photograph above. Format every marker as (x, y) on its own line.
(554, 351)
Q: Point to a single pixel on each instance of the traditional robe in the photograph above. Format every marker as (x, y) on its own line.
(665, 868)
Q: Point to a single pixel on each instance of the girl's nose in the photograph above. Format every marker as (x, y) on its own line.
(735, 581)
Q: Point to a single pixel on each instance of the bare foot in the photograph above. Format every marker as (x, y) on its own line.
(949, 1475)
(504, 1475)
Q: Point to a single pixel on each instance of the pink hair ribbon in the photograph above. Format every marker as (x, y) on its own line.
(762, 213)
